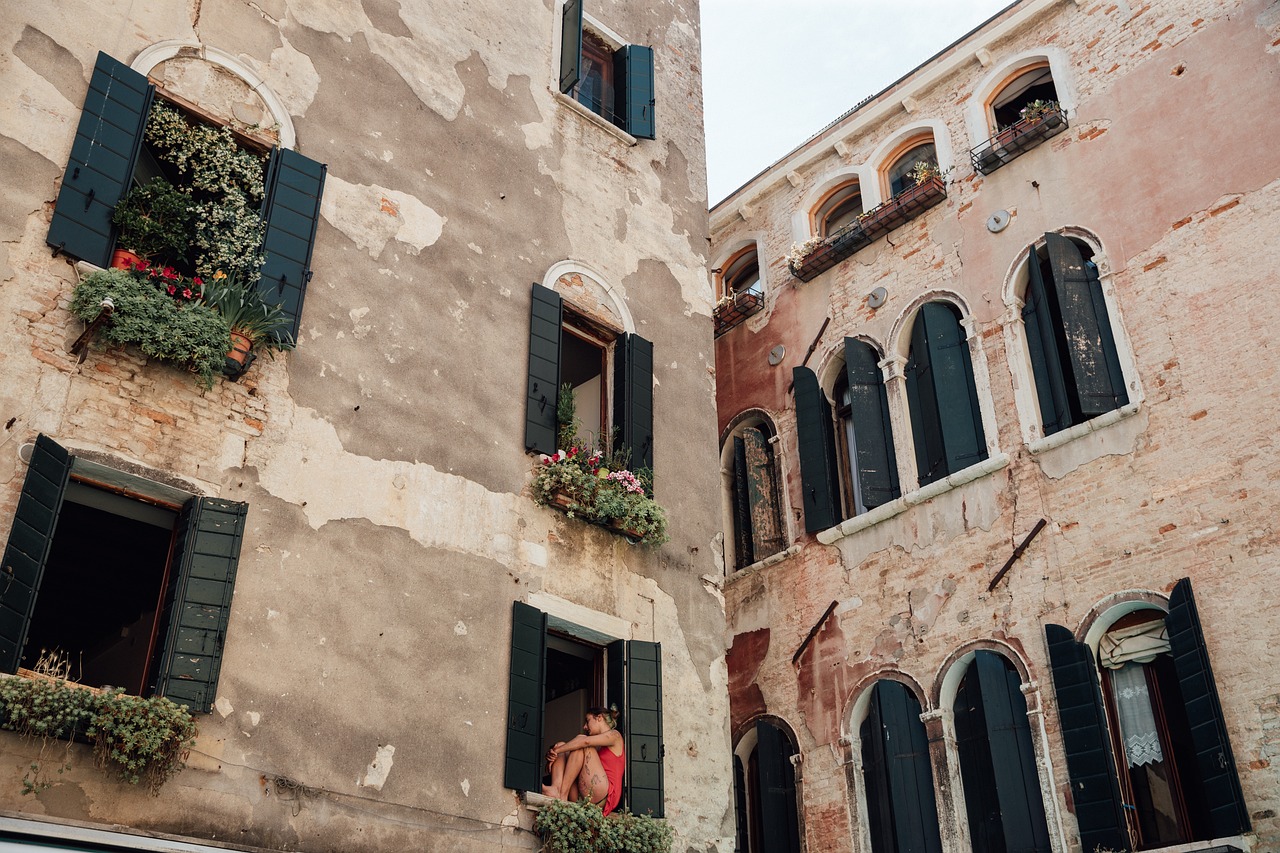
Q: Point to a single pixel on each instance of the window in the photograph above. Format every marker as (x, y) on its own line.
(614, 82)
(108, 155)
(558, 668)
(1149, 757)
(1021, 113)
(946, 421)
(741, 274)
(755, 497)
(1072, 348)
(568, 346)
(897, 776)
(899, 173)
(839, 208)
(869, 465)
(159, 626)
(765, 788)
(1032, 84)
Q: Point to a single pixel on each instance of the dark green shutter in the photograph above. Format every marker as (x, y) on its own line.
(1224, 799)
(571, 45)
(742, 538)
(545, 315)
(910, 775)
(524, 764)
(1090, 345)
(874, 457)
(1086, 741)
(740, 803)
(103, 155)
(633, 399)
(776, 790)
(816, 439)
(942, 395)
(198, 601)
(922, 402)
(973, 746)
(30, 539)
(291, 211)
(1042, 348)
(644, 728)
(875, 780)
(633, 87)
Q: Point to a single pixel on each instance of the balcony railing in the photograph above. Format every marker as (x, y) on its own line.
(733, 312)
(1017, 139)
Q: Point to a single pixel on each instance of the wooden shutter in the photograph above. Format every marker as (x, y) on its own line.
(571, 45)
(291, 211)
(1224, 799)
(740, 803)
(1094, 788)
(743, 540)
(103, 155)
(644, 728)
(524, 764)
(1098, 382)
(875, 461)
(30, 539)
(957, 395)
(973, 745)
(915, 811)
(922, 401)
(633, 88)
(776, 791)
(633, 398)
(875, 780)
(1042, 347)
(814, 433)
(545, 315)
(198, 601)
(762, 495)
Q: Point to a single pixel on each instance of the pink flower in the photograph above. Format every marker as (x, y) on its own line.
(186, 293)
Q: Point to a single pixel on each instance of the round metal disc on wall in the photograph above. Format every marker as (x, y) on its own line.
(877, 297)
(998, 221)
(776, 355)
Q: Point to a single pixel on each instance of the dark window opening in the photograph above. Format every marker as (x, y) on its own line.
(743, 274)
(1033, 85)
(758, 527)
(584, 366)
(840, 208)
(902, 813)
(574, 683)
(900, 178)
(847, 440)
(768, 820)
(595, 88)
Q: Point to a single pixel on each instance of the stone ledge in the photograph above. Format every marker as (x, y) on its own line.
(772, 559)
(1066, 436)
(622, 135)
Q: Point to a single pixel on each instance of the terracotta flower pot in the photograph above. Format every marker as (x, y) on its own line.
(123, 259)
(240, 348)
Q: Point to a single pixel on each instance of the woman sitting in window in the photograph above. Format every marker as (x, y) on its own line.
(594, 760)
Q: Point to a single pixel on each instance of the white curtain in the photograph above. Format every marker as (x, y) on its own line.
(1137, 643)
(1137, 719)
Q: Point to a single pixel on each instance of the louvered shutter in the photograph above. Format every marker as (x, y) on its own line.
(816, 439)
(762, 495)
(1086, 741)
(545, 315)
(1095, 367)
(874, 456)
(922, 401)
(958, 409)
(742, 534)
(776, 790)
(973, 745)
(571, 45)
(291, 211)
(644, 728)
(1042, 347)
(524, 765)
(103, 156)
(915, 811)
(875, 776)
(633, 88)
(633, 399)
(198, 601)
(1221, 785)
(30, 539)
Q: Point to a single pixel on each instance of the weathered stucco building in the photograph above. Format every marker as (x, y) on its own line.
(449, 171)
(998, 462)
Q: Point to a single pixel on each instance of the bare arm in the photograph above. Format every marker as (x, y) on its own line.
(610, 738)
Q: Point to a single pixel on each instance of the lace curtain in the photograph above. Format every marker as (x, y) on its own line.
(1137, 719)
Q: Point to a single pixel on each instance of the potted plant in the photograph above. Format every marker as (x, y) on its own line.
(255, 323)
(154, 221)
(1037, 111)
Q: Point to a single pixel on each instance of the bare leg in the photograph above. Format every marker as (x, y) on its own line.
(564, 772)
(592, 785)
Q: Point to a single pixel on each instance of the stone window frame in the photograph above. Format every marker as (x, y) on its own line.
(609, 37)
(754, 418)
(979, 121)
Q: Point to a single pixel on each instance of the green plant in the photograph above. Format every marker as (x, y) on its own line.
(154, 220)
(144, 740)
(1038, 109)
(190, 334)
(580, 482)
(248, 313)
(923, 170)
(582, 828)
(48, 710)
(567, 417)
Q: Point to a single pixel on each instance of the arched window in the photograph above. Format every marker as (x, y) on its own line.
(902, 814)
(765, 787)
(1073, 354)
(946, 421)
(755, 497)
(997, 760)
(1032, 85)
(864, 437)
(899, 173)
(840, 207)
(741, 273)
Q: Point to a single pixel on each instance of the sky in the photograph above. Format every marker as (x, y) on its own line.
(775, 72)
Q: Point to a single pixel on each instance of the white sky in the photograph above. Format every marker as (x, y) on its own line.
(777, 71)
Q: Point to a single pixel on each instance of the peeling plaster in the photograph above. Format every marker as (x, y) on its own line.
(291, 75)
(371, 216)
(375, 775)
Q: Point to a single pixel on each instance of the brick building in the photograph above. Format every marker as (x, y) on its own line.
(996, 447)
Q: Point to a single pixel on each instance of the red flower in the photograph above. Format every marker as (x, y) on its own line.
(171, 274)
(172, 289)
(186, 293)
(197, 281)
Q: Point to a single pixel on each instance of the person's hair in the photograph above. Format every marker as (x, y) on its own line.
(610, 715)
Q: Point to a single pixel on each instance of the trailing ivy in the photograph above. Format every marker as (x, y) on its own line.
(582, 828)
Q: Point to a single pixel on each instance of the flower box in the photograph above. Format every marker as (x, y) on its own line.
(576, 483)
(734, 310)
(902, 208)
(1013, 141)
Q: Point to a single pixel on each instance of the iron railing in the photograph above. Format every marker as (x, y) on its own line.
(1017, 139)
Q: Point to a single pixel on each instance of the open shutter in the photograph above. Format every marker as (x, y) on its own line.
(524, 765)
(545, 316)
(1224, 799)
(762, 495)
(571, 45)
(633, 399)
(957, 396)
(875, 776)
(876, 461)
(922, 401)
(915, 812)
(198, 601)
(776, 790)
(291, 211)
(814, 433)
(644, 728)
(30, 539)
(103, 155)
(633, 87)
(740, 802)
(1042, 347)
(1098, 382)
(742, 533)
(1094, 788)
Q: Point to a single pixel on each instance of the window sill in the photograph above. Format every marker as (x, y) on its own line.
(1066, 436)
(926, 493)
(1233, 844)
(622, 135)
(771, 560)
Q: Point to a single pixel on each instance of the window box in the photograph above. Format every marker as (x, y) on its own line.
(841, 244)
(1017, 139)
(576, 483)
(735, 309)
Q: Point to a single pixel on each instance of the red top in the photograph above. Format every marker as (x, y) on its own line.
(614, 766)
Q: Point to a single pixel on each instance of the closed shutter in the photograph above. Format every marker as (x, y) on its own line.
(1085, 739)
(291, 212)
(740, 801)
(814, 433)
(762, 495)
(545, 315)
(1042, 347)
(915, 811)
(973, 745)
(633, 399)
(30, 539)
(633, 87)
(571, 45)
(1224, 799)
(742, 534)
(103, 155)
(198, 601)
(922, 401)
(644, 728)
(953, 382)
(875, 459)
(875, 780)
(1098, 382)
(524, 764)
(777, 790)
